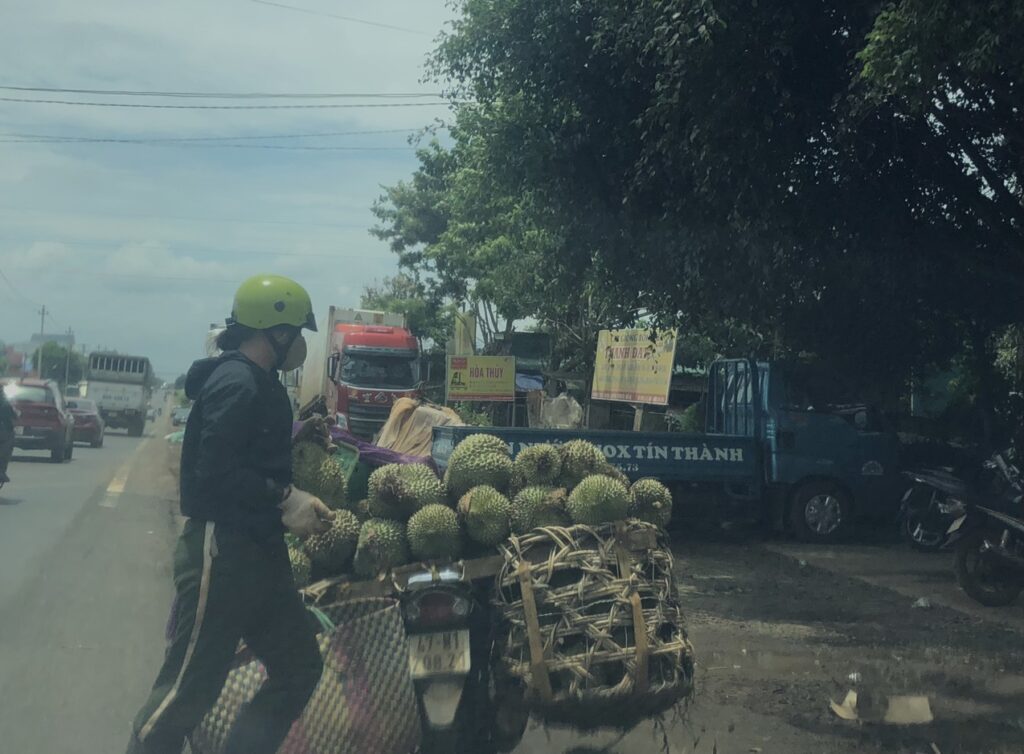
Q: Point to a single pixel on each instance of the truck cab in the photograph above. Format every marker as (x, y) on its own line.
(358, 364)
(826, 457)
(376, 365)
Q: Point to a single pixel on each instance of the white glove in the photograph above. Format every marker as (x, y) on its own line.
(303, 514)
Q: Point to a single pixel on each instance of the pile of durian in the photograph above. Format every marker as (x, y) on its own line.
(411, 515)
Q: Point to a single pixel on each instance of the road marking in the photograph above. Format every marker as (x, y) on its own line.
(117, 484)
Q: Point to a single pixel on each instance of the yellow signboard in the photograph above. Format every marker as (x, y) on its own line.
(633, 368)
(481, 378)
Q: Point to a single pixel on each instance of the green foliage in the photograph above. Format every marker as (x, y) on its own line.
(426, 316)
(475, 415)
(713, 163)
(179, 381)
(52, 361)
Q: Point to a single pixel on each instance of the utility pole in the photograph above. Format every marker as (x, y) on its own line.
(42, 320)
(67, 361)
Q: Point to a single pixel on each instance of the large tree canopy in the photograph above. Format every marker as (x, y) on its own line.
(824, 177)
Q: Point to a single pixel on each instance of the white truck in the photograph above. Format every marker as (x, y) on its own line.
(121, 387)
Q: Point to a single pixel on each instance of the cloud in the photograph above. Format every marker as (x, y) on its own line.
(141, 247)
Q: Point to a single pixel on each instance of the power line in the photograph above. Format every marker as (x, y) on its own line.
(15, 290)
(187, 249)
(325, 14)
(136, 142)
(311, 135)
(195, 218)
(224, 95)
(223, 107)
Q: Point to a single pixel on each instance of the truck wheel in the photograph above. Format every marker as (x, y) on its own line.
(820, 512)
(136, 427)
(58, 454)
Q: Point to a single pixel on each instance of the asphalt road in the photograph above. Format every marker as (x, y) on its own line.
(84, 591)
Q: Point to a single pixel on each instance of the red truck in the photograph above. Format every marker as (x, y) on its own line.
(360, 362)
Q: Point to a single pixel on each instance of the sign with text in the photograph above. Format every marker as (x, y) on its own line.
(633, 368)
(481, 378)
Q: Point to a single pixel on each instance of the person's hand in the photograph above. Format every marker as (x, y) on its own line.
(314, 430)
(304, 514)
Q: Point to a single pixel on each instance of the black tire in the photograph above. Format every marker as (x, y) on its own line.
(919, 536)
(820, 512)
(58, 454)
(97, 442)
(980, 584)
(136, 428)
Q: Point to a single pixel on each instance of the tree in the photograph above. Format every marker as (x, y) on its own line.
(52, 361)
(715, 161)
(179, 381)
(427, 317)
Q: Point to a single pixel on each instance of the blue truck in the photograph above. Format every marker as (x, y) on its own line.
(774, 448)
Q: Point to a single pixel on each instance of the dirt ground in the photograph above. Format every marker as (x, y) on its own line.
(781, 629)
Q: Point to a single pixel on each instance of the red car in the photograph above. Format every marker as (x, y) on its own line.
(45, 422)
(89, 424)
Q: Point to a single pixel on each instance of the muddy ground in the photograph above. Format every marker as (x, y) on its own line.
(781, 629)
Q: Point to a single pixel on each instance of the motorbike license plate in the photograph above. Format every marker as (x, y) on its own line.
(19, 431)
(441, 653)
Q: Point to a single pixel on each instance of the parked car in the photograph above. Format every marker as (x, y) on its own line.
(89, 425)
(180, 415)
(45, 422)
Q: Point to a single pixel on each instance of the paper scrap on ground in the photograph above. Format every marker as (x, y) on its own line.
(848, 709)
(908, 710)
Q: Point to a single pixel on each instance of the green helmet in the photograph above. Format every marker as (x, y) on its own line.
(265, 301)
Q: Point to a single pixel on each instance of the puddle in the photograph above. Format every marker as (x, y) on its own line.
(776, 663)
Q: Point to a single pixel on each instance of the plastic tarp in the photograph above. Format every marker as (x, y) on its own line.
(409, 428)
(373, 455)
(526, 382)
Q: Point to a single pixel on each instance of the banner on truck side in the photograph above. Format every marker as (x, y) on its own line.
(633, 368)
(481, 378)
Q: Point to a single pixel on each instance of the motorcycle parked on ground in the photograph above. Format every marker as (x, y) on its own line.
(936, 498)
(465, 703)
(933, 500)
(989, 544)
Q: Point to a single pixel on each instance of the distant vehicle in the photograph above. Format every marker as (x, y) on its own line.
(180, 415)
(121, 386)
(89, 425)
(150, 414)
(45, 422)
(360, 362)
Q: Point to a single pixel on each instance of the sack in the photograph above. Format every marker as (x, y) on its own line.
(365, 700)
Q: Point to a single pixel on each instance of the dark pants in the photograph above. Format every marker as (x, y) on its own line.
(230, 587)
(6, 449)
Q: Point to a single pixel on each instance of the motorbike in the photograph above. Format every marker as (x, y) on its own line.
(935, 498)
(989, 545)
(466, 704)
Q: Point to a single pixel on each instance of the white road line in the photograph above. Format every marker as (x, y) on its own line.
(116, 486)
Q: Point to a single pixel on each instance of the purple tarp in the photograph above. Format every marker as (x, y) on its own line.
(371, 454)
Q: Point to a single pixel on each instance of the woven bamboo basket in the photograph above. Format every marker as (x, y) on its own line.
(594, 627)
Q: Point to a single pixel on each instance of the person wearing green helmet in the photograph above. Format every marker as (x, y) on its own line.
(231, 568)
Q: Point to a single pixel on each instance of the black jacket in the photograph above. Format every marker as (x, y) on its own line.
(7, 415)
(236, 457)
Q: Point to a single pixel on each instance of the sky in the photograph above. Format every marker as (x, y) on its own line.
(139, 247)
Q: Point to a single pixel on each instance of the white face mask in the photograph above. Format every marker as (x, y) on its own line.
(296, 355)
